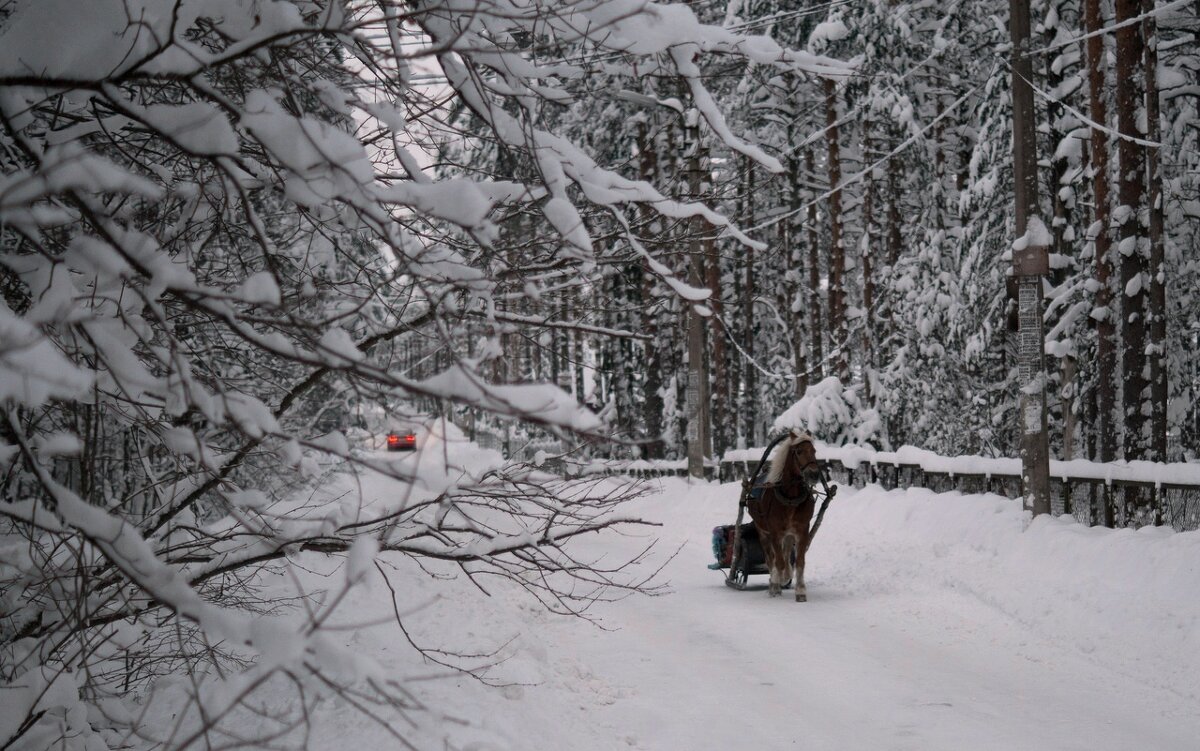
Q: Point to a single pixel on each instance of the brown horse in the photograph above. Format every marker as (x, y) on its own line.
(784, 511)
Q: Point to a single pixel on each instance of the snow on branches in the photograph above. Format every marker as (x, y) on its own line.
(221, 235)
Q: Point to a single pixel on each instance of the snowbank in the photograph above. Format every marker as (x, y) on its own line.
(1132, 597)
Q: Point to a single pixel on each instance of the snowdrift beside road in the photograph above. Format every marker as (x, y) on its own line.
(1132, 597)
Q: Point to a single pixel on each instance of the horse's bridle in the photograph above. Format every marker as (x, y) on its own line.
(814, 462)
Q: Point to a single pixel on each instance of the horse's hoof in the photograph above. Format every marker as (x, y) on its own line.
(801, 598)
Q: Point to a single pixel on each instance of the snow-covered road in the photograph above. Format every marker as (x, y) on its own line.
(933, 622)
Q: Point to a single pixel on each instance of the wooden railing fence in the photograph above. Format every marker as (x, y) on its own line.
(1091, 500)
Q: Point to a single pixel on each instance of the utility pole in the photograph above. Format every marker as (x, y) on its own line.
(699, 436)
(1031, 263)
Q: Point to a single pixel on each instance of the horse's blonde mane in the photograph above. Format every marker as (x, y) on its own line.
(779, 458)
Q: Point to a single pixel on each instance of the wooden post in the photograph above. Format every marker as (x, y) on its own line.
(1030, 264)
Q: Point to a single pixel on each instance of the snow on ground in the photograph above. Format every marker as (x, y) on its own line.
(934, 621)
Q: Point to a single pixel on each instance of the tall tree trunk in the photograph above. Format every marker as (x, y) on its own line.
(699, 437)
(1157, 310)
(1106, 353)
(785, 293)
(816, 331)
(555, 349)
(1059, 167)
(719, 399)
(939, 164)
(1130, 194)
(562, 348)
(795, 271)
(894, 241)
(750, 405)
(1059, 131)
(837, 251)
(894, 238)
(1069, 390)
(868, 280)
(670, 162)
(577, 356)
(732, 328)
(652, 401)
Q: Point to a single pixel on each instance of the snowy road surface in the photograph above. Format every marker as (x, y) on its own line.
(933, 622)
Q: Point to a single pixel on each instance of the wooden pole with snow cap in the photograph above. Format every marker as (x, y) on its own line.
(1031, 263)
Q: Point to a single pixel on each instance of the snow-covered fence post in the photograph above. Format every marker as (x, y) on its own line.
(1030, 265)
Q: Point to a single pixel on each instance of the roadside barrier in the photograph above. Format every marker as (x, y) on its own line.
(1123, 494)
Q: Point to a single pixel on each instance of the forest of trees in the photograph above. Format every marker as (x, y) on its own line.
(234, 234)
(884, 233)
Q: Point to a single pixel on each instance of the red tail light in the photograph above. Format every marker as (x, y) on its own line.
(410, 439)
(393, 439)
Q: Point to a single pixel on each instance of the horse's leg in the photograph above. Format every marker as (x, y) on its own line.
(773, 555)
(801, 549)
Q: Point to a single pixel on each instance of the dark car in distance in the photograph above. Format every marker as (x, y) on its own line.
(401, 440)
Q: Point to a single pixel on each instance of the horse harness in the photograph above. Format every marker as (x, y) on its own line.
(799, 498)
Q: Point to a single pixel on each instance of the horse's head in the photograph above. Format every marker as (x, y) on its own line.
(796, 462)
(802, 459)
